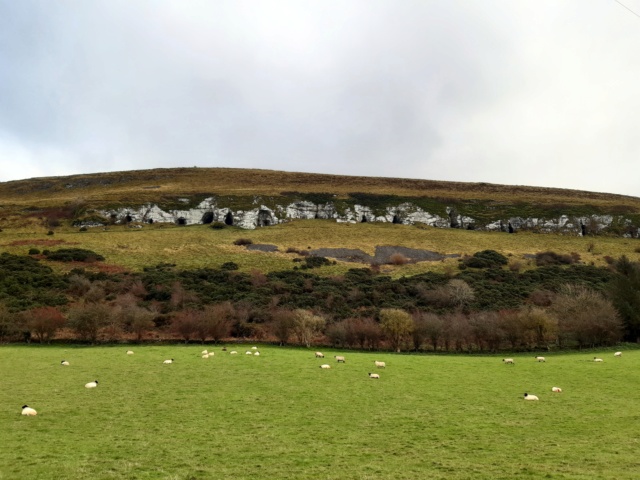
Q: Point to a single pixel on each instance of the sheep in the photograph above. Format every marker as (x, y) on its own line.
(129, 352)
(233, 352)
(211, 354)
(65, 363)
(319, 355)
(596, 359)
(380, 364)
(530, 397)
(254, 348)
(206, 355)
(28, 411)
(325, 366)
(556, 389)
(93, 384)
(248, 352)
(167, 362)
(204, 352)
(339, 358)
(374, 375)
(541, 359)
(617, 354)
(257, 354)
(509, 361)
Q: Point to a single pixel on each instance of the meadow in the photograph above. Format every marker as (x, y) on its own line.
(199, 246)
(280, 416)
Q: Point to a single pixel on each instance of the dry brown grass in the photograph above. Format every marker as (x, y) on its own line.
(120, 188)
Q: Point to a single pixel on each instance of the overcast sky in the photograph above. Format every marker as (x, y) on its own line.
(518, 92)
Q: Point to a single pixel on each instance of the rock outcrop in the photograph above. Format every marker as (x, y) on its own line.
(208, 211)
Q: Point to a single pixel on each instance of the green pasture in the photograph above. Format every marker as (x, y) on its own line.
(279, 416)
(199, 246)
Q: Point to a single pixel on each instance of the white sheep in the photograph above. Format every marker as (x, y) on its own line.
(541, 359)
(254, 348)
(339, 358)
(325, 366)
(93, 384)
(204, 352)
(374, 375)
(28, 411)
(233, 352)
(530, 397)
(257, 354)
(380, 364)
(509, 361)
(319, 355)
(617, 354)
(248, 352)
(65, 363)
(596, 359)
(556, 389)
(129, 352)
(167, 362)
(206, 355)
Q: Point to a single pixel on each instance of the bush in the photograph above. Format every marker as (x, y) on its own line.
(315, 262)
(218, 225)
(552, 258)
(50, 232)
(229, 266)
(73, 255)
(83, 229)
(243, 241)
(34, 251)
(486, 259)
(398, 259)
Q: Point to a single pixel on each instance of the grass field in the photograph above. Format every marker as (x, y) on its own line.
(279, 416)
(200, 246)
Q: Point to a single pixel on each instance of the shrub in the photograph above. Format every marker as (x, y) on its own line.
(34, 251)
(315, 262)
(552, 258)
(73, 255)
(243, 241)
(229, 266)
(50, 232)
(83, 229)
(398, 259)
(486, 259)
(218, 225)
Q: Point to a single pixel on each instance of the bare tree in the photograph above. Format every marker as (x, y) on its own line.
(307, 325)
(44, 322)
(87, 319)
(185, 324)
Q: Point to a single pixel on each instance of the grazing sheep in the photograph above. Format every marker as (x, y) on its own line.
(248, 352)
(204, 352)
(129, 352)
(325, 366)
(339, 358)
(211, 354)
(254, 348)
(65, 363)
(374, 375)
(509, 361)
(206, 355)
(93, 384)
(167, 362)
(541, 359)
(257, 354)
(530, 397)
(380, 364)
(319, 355)
(28, 411)
(596, 359)
(556, 389)
(617, 354)
(233, 352)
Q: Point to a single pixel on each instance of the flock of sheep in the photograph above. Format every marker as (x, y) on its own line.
(28, 411)
(511, 361)
(340, 359)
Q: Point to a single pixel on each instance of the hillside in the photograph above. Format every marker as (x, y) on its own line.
(185, 195)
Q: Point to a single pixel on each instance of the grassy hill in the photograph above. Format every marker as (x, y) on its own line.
(29, 208)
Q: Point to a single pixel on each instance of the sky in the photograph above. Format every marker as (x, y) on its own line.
(528, 92)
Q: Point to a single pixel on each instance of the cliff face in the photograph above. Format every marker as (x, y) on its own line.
(406, 213)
